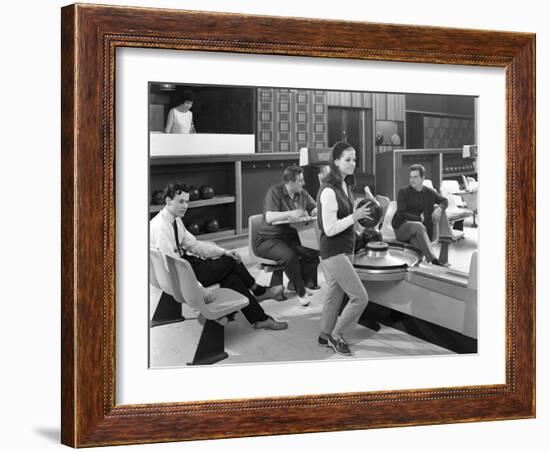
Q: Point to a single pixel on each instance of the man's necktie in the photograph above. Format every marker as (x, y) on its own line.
(181, 251)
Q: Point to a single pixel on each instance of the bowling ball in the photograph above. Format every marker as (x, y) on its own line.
(211, 225)
(157, 197)
(371, 235)
(374, 211)
(206, 192)
(193, 227)
(193, 193)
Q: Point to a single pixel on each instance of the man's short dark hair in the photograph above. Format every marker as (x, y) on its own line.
(417, 167)
(291, 173)
(171, 190)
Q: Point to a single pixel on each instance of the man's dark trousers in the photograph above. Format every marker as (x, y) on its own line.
(227, 272)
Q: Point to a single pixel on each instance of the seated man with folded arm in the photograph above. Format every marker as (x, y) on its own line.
(281, 243)
(418, 209)
(211, 263)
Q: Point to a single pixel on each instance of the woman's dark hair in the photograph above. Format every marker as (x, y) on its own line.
(187, 95)
(334, 177)
(171, 190)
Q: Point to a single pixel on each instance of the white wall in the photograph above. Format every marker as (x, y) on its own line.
(29, 395)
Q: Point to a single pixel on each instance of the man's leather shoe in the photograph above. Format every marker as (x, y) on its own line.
(290, 287)
(270, 292)
(270, 324)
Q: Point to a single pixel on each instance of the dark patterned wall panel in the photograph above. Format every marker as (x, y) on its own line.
(289, 119)
(444, 132)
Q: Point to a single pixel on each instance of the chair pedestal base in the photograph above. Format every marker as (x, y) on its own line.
(168, 311)
(276, 279)
(444, 252)
(211, 346)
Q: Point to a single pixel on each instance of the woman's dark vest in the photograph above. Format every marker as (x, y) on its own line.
(344, 241)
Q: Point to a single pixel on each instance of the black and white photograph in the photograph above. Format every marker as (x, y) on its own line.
(118, 119)
(293, 224)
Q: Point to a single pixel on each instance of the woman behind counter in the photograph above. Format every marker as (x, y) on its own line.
(180, 118)
(336, 218)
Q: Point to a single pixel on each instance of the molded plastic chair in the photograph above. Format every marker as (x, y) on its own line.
(384, 202)
(267, 265)
(159, 272)
(168, 309)
(470, 197)
(447, 234)
(456, 213)
(153, 280)
(388, 234)
(211, 347)
(449, 188)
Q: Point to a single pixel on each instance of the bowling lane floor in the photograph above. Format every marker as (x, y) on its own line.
(173, 345)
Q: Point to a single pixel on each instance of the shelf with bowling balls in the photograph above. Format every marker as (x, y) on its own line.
(201, 230)
(205, 224)
(157, 203)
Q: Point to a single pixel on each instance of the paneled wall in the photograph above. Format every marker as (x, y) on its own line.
(445, 132)
(390, 107)
(289, 119)
(349, 99)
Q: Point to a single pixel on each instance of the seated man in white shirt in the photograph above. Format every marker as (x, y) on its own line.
(211, 263)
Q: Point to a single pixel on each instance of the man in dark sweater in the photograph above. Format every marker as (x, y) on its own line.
(418, 209)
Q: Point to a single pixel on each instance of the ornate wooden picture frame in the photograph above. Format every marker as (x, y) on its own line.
(90, 38)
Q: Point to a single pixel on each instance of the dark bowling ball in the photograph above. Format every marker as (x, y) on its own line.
(206, 192)
(157, 197)
(371, 235)
(193, 227)
(211, 225)
(193, 193)
(374, 211)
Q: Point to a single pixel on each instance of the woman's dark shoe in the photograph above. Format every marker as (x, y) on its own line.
(339, 345)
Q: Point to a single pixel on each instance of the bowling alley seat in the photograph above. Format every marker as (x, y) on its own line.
(211, 345)
(266, 265)
(428, 183)
(447, 234)
(384, 202)
(470, 197)
(456, 211)
(167, 309)
(449, 188)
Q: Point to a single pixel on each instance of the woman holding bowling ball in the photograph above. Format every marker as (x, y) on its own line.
(336, 219)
